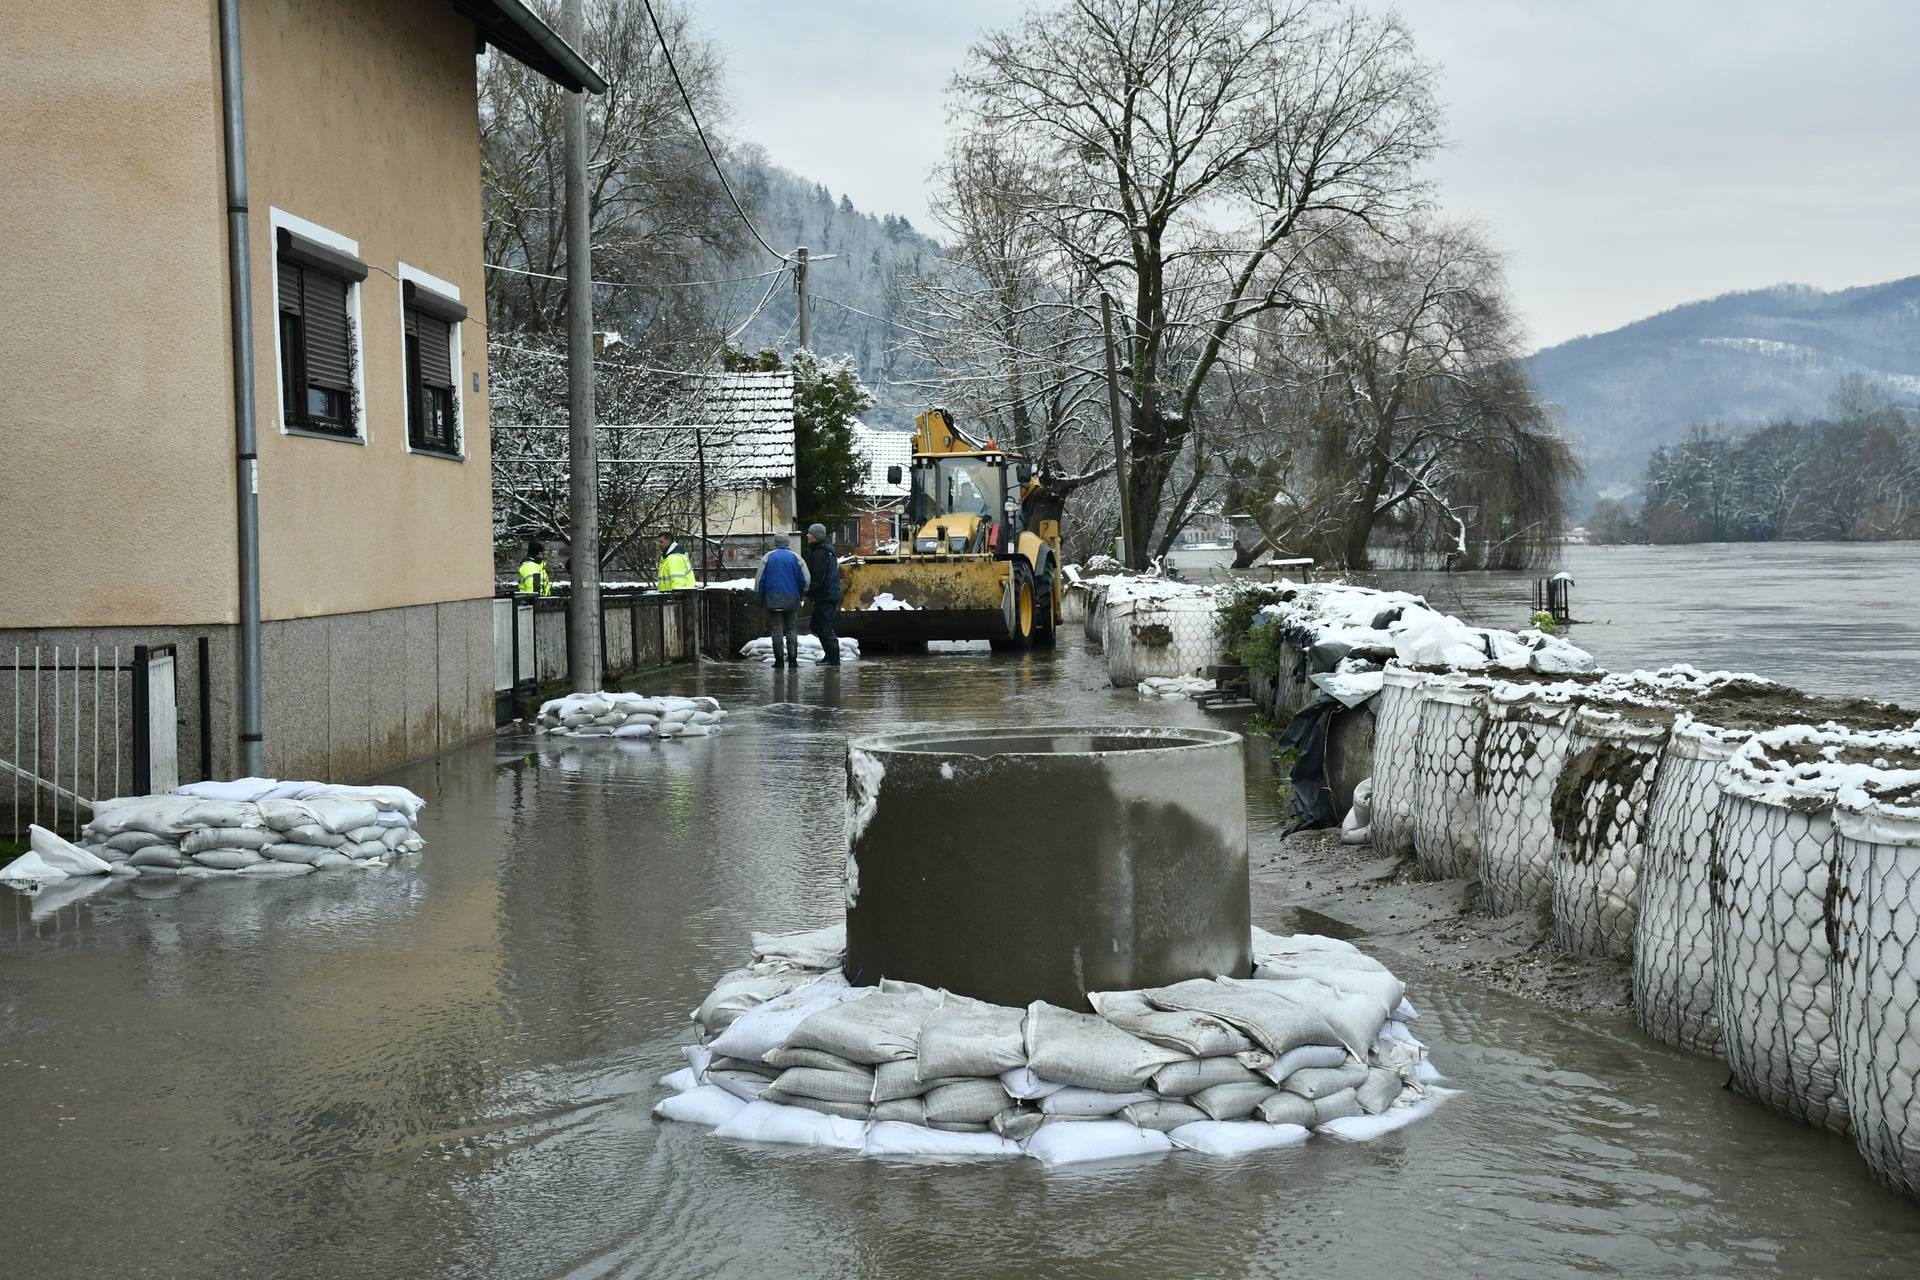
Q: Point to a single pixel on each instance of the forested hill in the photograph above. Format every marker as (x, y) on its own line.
(1739, 360)
(874, 256)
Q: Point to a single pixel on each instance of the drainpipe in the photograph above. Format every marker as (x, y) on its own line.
(245, 438)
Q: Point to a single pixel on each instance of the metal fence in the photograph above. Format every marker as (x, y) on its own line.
(639, 630)
(80, 723)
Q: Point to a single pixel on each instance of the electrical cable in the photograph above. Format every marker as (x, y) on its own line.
(637, 284)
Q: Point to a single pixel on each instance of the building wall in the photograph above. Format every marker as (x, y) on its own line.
(362, 118)
(116, 437)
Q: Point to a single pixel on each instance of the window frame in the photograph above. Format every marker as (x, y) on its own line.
(447, 296)
(294, 425)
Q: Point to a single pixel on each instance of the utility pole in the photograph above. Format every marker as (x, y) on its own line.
(1127, 556)
(583, 478)
(800, 287)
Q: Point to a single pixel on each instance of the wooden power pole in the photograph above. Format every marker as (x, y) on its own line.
(583, 471)
(1127, 549)
(800, 289)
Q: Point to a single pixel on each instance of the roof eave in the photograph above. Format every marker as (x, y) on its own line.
(518, 32)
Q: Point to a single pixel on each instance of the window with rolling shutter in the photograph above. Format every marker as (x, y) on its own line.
(432, 406)
(316, 335)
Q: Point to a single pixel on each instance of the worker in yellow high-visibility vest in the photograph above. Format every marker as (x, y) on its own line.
(676, 571)
(534, 580)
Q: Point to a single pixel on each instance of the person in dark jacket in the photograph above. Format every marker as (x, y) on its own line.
(823, 589)
(780, 585)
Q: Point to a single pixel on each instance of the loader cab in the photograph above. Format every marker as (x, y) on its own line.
(958, 503)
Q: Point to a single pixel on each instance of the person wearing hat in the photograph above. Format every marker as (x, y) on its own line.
(534, 579)
(823, 589)
(780, 585)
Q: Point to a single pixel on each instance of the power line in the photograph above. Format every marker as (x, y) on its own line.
(637, 284)
(702, 133)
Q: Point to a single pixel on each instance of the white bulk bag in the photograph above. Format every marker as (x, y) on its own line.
(1673, 937)
(1396, 729)
(1876, 983)
(1451, 717)
(1528, 731)
(1601, 803)
(1073, 604)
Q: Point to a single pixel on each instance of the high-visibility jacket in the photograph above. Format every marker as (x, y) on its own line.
(533, 578)
(676, 571)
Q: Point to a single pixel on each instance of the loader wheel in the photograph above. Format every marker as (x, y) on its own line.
(1023, 612)
(1043, 624)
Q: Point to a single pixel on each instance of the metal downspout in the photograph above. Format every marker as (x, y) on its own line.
(245, 438)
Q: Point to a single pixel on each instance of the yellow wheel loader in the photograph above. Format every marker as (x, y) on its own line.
(979, 551)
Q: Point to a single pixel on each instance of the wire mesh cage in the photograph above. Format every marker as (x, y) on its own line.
(1396, 733)
(1600, 806)
(1095, 621)
(1673, 937)
(1876, 980)
(1521, 756)
(1452, 720)
(1167, 636)
(1773, 884)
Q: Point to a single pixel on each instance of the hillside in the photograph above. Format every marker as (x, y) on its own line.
(870, 255)
(1739, 359)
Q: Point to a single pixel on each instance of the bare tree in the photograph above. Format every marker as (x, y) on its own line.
(1183, 152)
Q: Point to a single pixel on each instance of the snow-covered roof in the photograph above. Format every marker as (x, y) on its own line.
(748, 427)
(883, 449)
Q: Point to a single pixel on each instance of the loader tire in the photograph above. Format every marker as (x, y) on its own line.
(1043, 607)
(1024, 612)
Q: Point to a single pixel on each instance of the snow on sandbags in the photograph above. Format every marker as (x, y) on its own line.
(760, 649)
(794, 1054)
(1174, 688)
(887, 602)
(258, 827)
(629, 716)
(1877, 954)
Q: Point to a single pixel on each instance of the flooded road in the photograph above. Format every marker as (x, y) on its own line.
(446, 1068)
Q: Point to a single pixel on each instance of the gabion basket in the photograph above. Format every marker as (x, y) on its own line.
(1521, 755)
(1172, 636)
(1452, 719)
(1395, 735)
(1673, 939)
(1600, 807)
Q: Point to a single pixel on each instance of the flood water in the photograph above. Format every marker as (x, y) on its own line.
(447, 1068)
(1830, 617)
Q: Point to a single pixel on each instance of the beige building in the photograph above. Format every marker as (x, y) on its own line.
(121, 484)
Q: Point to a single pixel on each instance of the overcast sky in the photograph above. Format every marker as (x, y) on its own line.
(1628, 155)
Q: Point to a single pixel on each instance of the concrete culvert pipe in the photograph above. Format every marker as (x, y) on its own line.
(1022, 864)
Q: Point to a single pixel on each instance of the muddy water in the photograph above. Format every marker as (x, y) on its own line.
(446, 1069)
(1833, 618)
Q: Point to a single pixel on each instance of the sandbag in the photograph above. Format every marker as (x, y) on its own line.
(1090, 1102)
(822, 948)
(1232, 1101)
(159, 855)
(859, 1111)
(744, 989)
(772, 1122)
(1336, 1106)
(901, 1079)
(1315, 1083)
(1276, 1023)
(268, 867)
(1196, 1035)
(1283, 1108)
(965, 1037)
(1377, 1092)
(1237, 1137)
(1087, 1051)
(1601, 803)
(1307, 1055)
(159, 815)
(1164, 1115)
(894, 1139)
(131, 841)
(1017, 1124)
(901, 1110)
(766, 1026)
(1062, 1144)
(1355, 1018)
(64, 855)
(1021, 1083)
(1180, 1079)
(227, 859)
(785, 1057)
(881, 1028)
(826, 1086)
(967, 1102)
(706, 1105)
(209, 838)
(307, 853)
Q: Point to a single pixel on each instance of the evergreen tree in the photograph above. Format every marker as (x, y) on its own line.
(828, 398)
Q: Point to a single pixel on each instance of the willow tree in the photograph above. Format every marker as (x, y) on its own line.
(1184, 152)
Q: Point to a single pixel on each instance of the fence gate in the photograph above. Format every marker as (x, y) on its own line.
(156, 720)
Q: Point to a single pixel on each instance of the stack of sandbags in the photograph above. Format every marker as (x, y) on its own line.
(629, 715)
(1174, 688)
(810, 649)
(1317, 1039)
(255, 827)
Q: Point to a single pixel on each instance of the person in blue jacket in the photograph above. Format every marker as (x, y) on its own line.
(779, 586)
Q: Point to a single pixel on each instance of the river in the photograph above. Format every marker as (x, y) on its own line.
(447, 1068)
